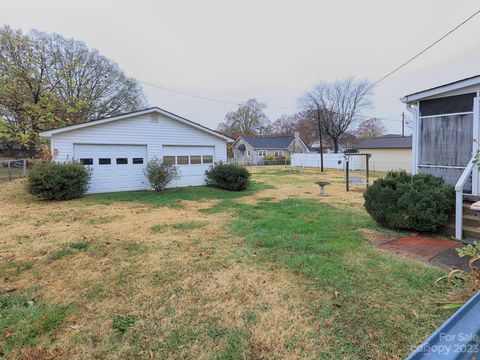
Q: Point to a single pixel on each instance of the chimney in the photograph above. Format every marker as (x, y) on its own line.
(296, 145)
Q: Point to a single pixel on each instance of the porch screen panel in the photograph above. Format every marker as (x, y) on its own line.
(446, 146)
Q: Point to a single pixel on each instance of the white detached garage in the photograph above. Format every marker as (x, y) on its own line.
(118, 148)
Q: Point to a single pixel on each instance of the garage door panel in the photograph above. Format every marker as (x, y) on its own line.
(190, 174)
(114, 177)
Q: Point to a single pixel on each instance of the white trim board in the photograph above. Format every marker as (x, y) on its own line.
(421, 95)
(153, 110)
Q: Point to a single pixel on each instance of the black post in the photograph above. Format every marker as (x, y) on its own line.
(403, 124)
(347, 176)
(367, 157)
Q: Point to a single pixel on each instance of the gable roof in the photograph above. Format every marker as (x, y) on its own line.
(269, 142)
(390, 141)
(455, 85)
(155, 109)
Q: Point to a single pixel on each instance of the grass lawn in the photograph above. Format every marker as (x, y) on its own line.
(200, 273)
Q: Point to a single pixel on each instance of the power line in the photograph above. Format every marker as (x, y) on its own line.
(426, 49)
(205, 97)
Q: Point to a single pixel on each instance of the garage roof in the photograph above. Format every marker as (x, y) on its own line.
(155, 109)
(390, 141)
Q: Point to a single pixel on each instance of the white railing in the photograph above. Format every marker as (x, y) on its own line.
(459, 197)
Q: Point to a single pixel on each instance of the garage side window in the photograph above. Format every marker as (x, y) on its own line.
(122, 161)
(207, 159)
(182, 160)
(104, 161)
(195, 159)
(86, 161)
(137, 161)
(170, 160)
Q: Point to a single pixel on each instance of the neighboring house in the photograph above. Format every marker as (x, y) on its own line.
(252, 150)
(327, 147)
(389, 152)
(446, 134)
(118, 148)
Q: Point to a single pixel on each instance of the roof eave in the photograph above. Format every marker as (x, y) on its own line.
(48, 134)
(475, 80)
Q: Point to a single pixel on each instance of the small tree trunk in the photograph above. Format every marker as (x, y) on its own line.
(335, 145)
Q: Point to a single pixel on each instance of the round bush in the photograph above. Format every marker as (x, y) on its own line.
(231, 177)
(419, 202)
(160, 174)
(58, 181)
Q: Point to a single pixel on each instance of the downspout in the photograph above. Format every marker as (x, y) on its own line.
(416, 128)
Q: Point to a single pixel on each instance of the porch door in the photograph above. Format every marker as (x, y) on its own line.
(446, 137)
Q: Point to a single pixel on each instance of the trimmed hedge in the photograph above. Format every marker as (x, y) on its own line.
(230, 177)
(419, 202)
(58, 181)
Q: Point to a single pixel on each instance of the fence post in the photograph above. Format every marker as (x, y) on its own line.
(9, 174)
(24, 167)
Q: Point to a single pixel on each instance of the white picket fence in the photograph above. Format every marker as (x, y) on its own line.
(330, 161)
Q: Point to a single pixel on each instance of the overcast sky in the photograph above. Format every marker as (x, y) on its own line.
(269, 49)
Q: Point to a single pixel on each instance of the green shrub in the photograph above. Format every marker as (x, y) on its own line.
(419, 202)
(160, 174)
(58, 181)
(231, 177)
(268, 157)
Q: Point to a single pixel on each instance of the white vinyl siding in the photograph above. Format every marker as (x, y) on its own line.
(155, 133)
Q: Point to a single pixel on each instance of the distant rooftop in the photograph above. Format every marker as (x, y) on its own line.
(269, 142)
(390, 141)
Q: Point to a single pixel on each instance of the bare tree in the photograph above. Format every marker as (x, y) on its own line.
(248, 119)
(285, 125)
(370, 128)
(337, 105)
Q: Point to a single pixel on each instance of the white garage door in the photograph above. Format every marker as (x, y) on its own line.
(191, 162)
(114, 167)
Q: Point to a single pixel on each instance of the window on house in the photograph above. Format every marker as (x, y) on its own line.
(207, 159)
(122, 161)
(278, 153)
(169, 160)
(182, 160)
(104, 161)
(262, 152)
(195, 159)
(86, 161)
(137, 161)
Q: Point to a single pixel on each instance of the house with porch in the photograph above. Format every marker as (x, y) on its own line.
(253, 149)
(445, 143)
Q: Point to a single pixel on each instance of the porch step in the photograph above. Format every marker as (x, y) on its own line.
(471, 221)
(468, 220)
(468, 231)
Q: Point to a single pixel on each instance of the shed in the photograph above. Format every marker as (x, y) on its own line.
(118, 148)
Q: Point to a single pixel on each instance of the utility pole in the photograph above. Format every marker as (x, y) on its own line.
(403, 124)
(319, 121)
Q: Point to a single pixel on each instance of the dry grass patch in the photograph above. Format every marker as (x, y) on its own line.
(268, 275)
